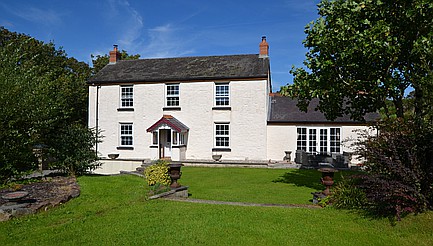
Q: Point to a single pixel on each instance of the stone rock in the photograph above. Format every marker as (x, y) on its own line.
(4, 216)
(42, 196)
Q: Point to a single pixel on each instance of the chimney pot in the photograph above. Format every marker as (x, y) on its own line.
(264, 48)
(114, 55)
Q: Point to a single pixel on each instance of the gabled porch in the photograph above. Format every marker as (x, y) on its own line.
(169, 139)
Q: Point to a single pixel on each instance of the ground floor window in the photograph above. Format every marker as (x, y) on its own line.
(155, 138)
(222, 135)
(179, 138)
(126, 134)
(324, 140)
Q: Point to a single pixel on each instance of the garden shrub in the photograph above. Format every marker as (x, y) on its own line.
(346, 195)
(72, 150)
(157, 173)
(324, 202)
(399, 168)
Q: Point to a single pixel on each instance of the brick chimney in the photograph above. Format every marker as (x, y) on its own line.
(264, 48)
(114, 55)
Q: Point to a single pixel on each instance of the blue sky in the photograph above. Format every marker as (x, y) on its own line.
(168, 28)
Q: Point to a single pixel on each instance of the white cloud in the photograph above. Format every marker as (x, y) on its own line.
(132, 32)
(129, 35)
(167, 41)
(43, 16)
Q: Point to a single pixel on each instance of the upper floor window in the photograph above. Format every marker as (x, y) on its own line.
(127, 96)
(222, 94)
(172, 95)
(126, 134)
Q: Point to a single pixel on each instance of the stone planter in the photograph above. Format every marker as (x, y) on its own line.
(113, 156)
(287, 157)
(216, 157)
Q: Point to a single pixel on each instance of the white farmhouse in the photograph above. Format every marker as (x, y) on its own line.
(194, 109)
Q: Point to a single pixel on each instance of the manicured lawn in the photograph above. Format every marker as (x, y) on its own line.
(279, 186)
(114, 211)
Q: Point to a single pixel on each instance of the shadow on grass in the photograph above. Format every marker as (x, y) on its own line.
(99, 175)
(309, 177)
(302, 177)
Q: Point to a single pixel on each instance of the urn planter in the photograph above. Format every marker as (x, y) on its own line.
(175, 174)
(327, 179)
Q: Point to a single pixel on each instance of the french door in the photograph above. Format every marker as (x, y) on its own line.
(324, 140)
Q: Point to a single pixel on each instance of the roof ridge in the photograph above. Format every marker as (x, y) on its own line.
(185, 57)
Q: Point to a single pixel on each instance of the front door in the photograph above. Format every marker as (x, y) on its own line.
(164, 143)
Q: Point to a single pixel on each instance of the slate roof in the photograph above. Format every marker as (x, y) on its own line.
(174, 123)
(284, 110)
(184, 69)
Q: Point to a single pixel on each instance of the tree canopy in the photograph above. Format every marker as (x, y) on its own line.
(362, 53)
(44, 103)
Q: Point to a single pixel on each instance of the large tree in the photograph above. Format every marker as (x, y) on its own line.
(44, 103)
(362, 53)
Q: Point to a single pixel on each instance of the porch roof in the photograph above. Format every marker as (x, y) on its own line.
(172, 122)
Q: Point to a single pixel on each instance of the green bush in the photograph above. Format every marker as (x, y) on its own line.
(73, 150)
(346, 195)
(157, 173)
(324, 202)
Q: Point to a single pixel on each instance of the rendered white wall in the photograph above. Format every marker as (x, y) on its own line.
(247, 118)
(114, 166)
(283, 138)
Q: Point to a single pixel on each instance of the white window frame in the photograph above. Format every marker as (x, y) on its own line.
(175, 138)
(172, 94)
(335, 140)
(222, 136)
(182, 138)
(302, 138)
(155, 138)
(126, 136)
(126, 96)
(178, 138)
(221, 96)
(319, 139)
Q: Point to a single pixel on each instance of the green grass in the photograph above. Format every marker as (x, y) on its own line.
(114, 211)
(278, 186)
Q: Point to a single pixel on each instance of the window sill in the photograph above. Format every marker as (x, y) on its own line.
(153, 146)
(125, 109)
(178, 146)
(171, 108)
(222, 108)
(125, 148)
(221, 150)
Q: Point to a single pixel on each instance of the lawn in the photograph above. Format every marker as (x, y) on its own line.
(278, 186)
(113, 210)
